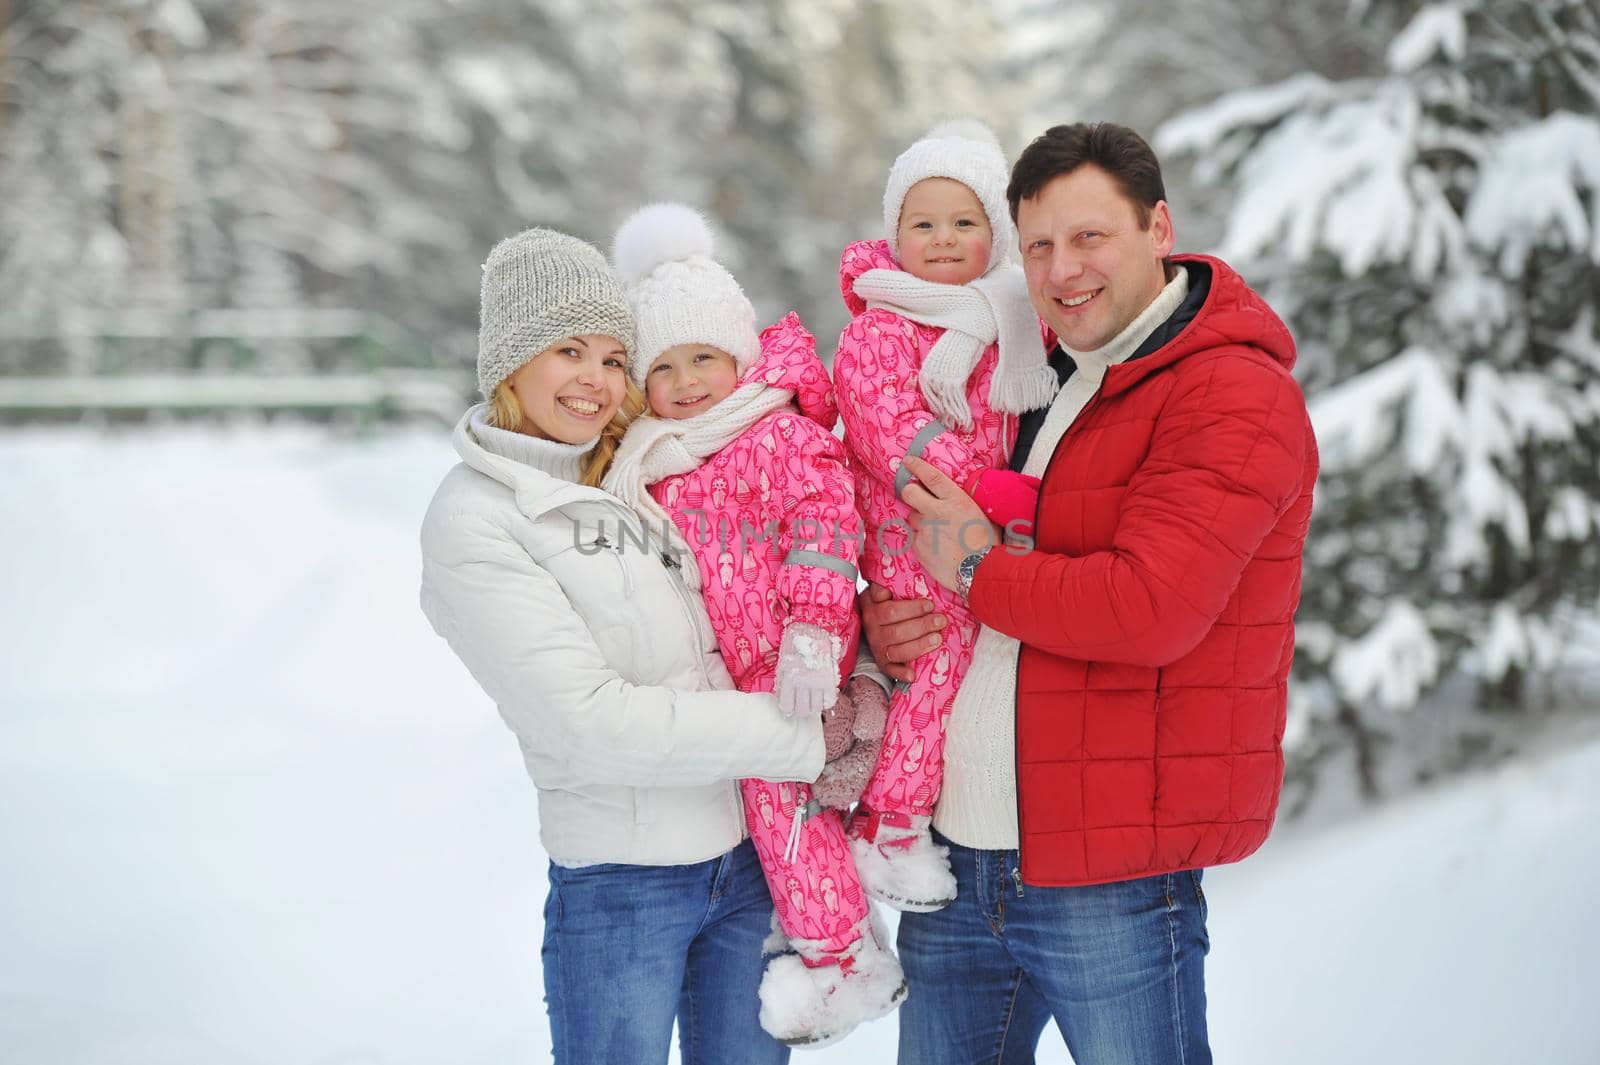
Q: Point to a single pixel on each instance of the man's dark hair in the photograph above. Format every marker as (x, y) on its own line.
(1117, 150)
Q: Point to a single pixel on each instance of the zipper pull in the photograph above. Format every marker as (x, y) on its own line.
(1016, 878)
(668, 561)
(601, 541)
(802, 814)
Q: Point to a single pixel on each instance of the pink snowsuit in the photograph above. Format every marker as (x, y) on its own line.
(885, 419)
(772, 523)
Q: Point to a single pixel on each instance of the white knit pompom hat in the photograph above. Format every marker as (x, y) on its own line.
(678, 293)
(540, 286)
(967, 151)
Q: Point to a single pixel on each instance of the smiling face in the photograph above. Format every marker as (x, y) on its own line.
(943, 234)
(689, 379)
(569, 391)
(1091, 268)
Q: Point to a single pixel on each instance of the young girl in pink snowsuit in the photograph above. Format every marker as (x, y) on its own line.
(761, 496)
(944, 351)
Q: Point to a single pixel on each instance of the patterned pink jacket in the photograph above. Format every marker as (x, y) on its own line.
(886, 418)
(771, 518)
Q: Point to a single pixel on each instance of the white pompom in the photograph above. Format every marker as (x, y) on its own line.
(965, 128)
(659, 233)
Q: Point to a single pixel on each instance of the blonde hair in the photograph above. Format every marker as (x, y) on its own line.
(506, 413)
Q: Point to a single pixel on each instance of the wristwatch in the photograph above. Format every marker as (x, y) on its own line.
(968, 569)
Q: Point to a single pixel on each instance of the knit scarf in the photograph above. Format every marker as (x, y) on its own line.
(564, 462)
(973, 316)
(657, 448)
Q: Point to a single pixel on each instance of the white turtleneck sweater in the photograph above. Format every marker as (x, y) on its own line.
(978, 805)
(562, 461)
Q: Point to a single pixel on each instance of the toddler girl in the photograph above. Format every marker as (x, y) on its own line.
(944, 351)
(760, 493)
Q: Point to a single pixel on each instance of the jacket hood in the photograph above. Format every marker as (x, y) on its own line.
(1232, 314)
(789, 360)
(859, 257)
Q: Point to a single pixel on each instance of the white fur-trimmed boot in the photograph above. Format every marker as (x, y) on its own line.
(898, 861)
(813, 996)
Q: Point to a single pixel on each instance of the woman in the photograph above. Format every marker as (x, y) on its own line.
(580, 626)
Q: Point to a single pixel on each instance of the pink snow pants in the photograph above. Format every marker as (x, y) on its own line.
(818, 895)
(910, 769)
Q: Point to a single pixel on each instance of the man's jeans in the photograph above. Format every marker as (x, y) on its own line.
(628, 948)
(1121, 968)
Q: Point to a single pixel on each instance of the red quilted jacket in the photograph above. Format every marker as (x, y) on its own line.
(1157, 608)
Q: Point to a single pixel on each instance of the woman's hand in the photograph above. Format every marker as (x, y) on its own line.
(853, 746)
(845, 778)
(870, 708)
(838, 724)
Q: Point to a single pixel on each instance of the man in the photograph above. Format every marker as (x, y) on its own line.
(1120, 728)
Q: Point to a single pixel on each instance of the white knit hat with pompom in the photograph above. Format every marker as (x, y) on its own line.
(678, 293)
(964, 150)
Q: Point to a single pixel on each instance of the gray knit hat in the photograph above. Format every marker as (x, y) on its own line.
(964, 150)
(538, 287)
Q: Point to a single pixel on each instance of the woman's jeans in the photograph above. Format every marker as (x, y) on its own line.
(1121, 968)
(630, 948)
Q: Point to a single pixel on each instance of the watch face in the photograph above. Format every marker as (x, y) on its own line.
(966, 571)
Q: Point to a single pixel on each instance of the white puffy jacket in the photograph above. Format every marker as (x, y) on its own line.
(602, 662)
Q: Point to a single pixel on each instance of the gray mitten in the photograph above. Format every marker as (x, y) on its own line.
(871, 708)
(838, 726)
(853, 736)
(844, 778)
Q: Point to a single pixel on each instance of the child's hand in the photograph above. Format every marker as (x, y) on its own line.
(1008, 499)
(808, 669)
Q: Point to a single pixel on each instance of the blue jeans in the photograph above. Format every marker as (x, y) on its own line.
(1121, 968)
(628, 948)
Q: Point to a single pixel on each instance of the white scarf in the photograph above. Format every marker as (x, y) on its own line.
(973, 316)
(657, 448)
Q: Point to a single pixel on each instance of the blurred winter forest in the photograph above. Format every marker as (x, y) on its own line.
(210, 205)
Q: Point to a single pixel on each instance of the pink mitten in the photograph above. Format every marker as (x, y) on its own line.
(1006, 497)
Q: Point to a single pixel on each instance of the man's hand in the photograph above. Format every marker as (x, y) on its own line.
(947, 524)
(898, 630)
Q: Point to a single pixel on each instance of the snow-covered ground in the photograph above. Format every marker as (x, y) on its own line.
(253, 811)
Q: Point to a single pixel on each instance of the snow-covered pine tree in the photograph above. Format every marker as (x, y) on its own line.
(235, 153)
(858, 88)
(778, 118)
(1433, 237)
(177, 154)
(1139, 62)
